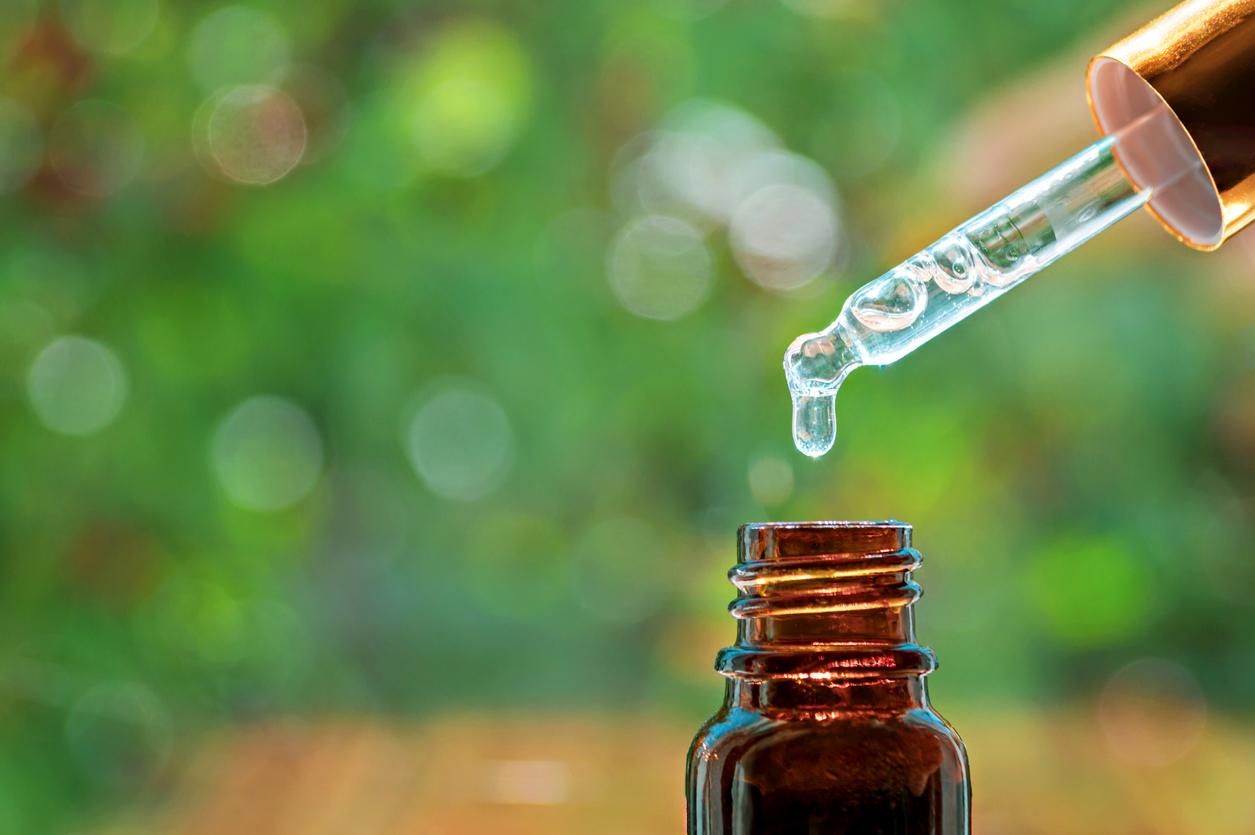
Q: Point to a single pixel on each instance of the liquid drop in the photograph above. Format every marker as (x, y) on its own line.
(814, 423)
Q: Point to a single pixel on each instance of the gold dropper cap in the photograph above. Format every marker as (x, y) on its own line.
(1199, 59)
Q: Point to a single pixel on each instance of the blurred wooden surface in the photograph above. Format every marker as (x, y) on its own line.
(1032, 774)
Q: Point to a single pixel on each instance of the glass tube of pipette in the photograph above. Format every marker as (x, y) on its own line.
(967, 269)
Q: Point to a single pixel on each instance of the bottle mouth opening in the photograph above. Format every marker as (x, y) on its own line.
(829, 540)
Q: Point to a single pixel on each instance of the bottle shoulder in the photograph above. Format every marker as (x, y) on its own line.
(858, 772)
(919, 739)
(929, 721)
(730, 728)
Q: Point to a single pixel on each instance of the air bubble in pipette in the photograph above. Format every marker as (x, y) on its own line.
(890, 303)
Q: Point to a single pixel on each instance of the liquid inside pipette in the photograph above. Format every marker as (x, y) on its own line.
(967, 269)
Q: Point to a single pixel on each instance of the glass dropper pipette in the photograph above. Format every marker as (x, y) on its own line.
(976, 263)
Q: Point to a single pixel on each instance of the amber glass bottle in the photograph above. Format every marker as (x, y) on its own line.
(826, 728)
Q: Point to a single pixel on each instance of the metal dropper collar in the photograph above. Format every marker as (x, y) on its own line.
(1199, 59)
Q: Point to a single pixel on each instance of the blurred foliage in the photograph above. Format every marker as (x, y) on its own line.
(1078, 460)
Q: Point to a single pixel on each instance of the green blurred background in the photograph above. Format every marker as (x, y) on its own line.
(399, 372)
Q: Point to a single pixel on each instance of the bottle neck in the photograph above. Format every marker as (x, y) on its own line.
(825, 620)
(886, 625)
(784, 698)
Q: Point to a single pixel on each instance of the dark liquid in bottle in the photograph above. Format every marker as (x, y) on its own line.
(865, 779)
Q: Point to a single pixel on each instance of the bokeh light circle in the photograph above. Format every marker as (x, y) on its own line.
(237, 46)
(659, 267)
(1152, 712)
(21, 145)
(770, 480)
(267, 454)
(112, 27)
(467, 97)
(76, 386)
(783, 236)
(620, 571)
(462, 127)
(255, 134)
(120, 733)
(690, 167)
(460, 441)
(685, 174)
(96, 148)
(776, 167)
(739, 133)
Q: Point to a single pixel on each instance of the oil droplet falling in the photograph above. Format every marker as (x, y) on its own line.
(815, 365)
(814, 423)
